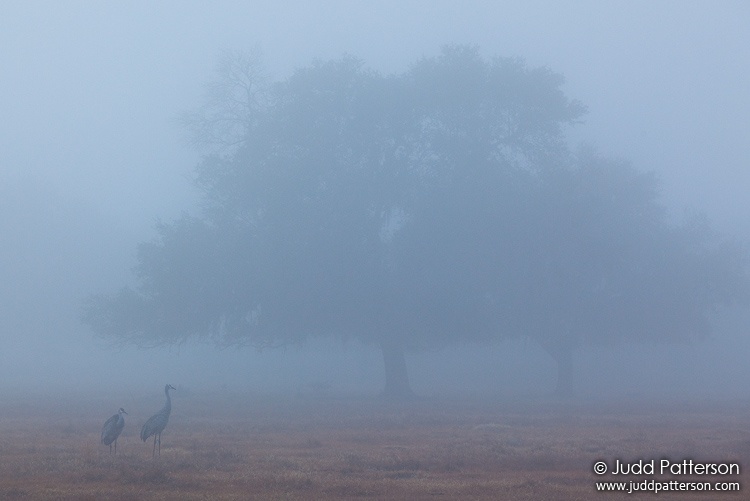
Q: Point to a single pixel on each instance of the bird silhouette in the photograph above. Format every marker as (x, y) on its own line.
(156, 423)
(112, 429)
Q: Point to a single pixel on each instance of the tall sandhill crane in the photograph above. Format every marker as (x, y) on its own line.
(156, 423)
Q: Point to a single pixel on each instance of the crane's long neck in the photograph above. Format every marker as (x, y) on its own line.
(168, 405)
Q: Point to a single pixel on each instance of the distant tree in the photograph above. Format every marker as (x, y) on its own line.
(234, 101)
(346, 203)
(605, 265)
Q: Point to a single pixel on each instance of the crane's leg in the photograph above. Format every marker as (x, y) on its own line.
(159, 444)
(115, 447)
(153, 452)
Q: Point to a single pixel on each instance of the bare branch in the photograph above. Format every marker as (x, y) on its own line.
(233, 102)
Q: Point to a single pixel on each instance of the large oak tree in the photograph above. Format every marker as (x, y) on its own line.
(435, 206)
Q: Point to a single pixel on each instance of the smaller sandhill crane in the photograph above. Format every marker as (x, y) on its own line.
(156, 423)
(112, 429)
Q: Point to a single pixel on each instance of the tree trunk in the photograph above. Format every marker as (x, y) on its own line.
(396, 377)
(564, 359)
(562, 354)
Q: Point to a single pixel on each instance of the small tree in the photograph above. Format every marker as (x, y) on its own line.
(606, 265)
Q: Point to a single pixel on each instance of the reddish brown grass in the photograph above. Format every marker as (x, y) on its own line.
(275, 448)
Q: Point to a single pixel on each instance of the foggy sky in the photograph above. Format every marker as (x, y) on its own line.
(89, 91)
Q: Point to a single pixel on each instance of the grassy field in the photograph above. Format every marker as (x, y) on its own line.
(252, 447)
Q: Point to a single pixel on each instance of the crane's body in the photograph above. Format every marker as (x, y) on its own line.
(156, 423)
(112, 429)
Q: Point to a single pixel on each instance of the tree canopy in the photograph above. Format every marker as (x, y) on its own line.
(435, 206)
(605, 264)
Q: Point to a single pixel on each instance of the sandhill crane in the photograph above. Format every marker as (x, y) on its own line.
(112, 429)
(156, 423)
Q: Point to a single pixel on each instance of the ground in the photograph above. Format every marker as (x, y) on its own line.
(233, 446)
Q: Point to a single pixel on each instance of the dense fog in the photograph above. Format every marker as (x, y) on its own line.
(94, 157)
